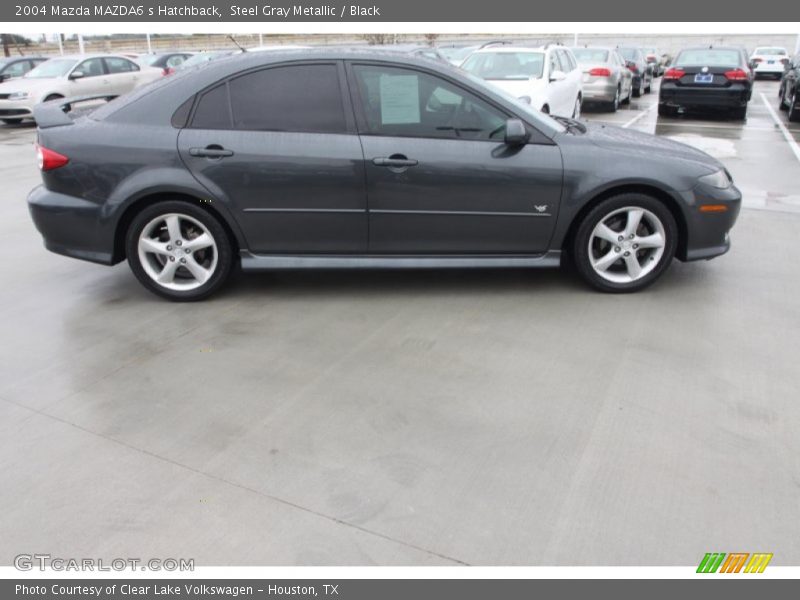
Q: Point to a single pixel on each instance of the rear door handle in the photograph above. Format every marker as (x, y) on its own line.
(212, 151)
(394, 161)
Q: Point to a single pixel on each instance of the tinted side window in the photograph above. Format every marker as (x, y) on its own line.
(403, 102)
(566, 62)
(18, 69)
(301, 98)
(92, 67)
(120, 65)
(213, 110)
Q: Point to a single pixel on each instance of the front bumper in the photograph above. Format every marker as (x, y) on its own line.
(708, 233)
(690, 96)
(72, 226)
(16, 109)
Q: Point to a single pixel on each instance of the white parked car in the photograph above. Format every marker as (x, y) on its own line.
(70, 77)
(548, 78)
(769, 60)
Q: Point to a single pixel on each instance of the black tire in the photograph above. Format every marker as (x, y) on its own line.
(613, 106)
(667, 111)
(740, 114)
(649, 87)
(637, 92)
(794, 110)
(782, 99)
(580, 246)
(12, 121)
(224, 250)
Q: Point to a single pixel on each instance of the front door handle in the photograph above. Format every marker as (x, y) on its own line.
(395, 160)
(212, 151)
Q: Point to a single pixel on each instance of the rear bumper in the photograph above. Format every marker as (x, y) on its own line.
(599, 91)
(688, 96)
(708, 233)
(773, 69)
(72, 226)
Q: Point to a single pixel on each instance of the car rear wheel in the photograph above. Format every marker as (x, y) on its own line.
(12, 121)
(576, 112)
(179, 251)
(614, 106)
(794, 110)
(638, 89)
(667, 111)
(625, 243)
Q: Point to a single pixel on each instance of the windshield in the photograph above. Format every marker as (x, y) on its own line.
(649, 50)
(149, 59)
(590, 55)
(201, 58)
(55, 67)
(707, 58)
(457, 54)
(629, 53)
(505, 65)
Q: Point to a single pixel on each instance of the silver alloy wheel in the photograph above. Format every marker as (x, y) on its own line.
(627, 244)
(177, 252)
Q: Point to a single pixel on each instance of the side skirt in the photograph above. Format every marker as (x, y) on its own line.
(259, 262)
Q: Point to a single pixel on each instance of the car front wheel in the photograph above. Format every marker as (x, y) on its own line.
(179, 251)
(625, 243)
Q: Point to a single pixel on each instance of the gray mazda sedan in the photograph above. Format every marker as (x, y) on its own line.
(320, 159)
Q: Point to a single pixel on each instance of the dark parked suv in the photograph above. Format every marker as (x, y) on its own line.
(789, 92)
(360, 159)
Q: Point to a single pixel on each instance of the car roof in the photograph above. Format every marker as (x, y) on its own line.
(735, 48)
(606, 48)
(85, 56)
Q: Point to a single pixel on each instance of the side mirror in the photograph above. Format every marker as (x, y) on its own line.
(77, 75)
(558, 76)
(516, 133)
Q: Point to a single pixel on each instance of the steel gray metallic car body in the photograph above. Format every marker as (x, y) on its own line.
(294, 200)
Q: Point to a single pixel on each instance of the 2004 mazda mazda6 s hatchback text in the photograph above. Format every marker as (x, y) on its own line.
(341, 159)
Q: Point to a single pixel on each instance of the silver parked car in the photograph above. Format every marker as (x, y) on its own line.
(606, 78)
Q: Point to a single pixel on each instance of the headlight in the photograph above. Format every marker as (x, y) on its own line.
(718, 179)
(18, 95)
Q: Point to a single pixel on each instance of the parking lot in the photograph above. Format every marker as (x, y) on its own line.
(425, 418)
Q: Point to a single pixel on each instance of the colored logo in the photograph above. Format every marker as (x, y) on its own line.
(735, 562)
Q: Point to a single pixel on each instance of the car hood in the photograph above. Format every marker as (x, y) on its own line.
(23, 84)
(521, 87)
(647, 145)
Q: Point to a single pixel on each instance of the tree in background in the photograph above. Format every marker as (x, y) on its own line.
(379, 39)
(431, 38)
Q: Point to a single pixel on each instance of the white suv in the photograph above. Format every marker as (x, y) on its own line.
(547, 77)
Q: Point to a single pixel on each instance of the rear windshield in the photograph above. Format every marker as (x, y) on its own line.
(778, 51)
(505, 65)
(587, 55)
(708, 58)
(629, 53)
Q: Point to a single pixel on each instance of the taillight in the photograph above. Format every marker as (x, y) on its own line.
(758, 60)
(651, 57)
(673, 73)
(736, 75)
(785, 61)
(633, 68)
(600, 72)
(49, 159)
(168, 71)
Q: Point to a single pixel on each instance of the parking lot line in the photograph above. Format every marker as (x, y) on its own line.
(787, 136)
(640, 115)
